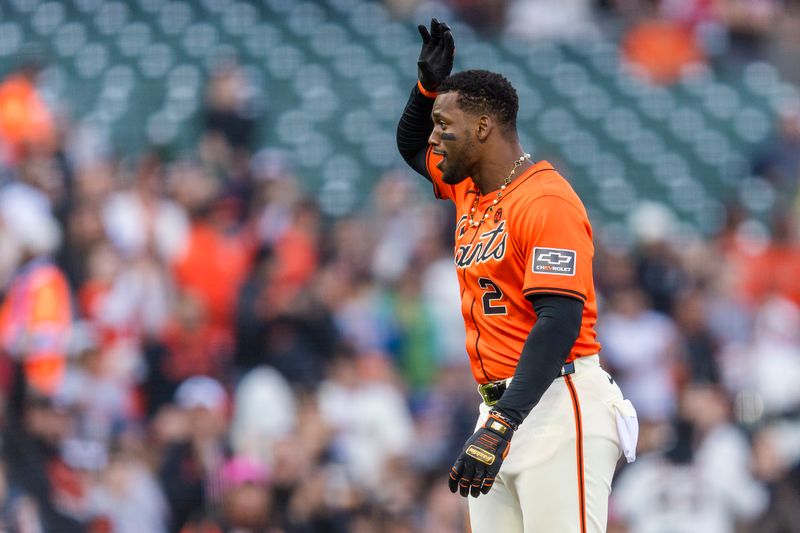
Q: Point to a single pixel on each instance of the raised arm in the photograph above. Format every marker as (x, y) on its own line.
(434, 65)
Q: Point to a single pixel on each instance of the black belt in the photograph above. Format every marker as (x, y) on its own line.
(492, 392)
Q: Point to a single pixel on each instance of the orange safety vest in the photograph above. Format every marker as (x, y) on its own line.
(35, 320)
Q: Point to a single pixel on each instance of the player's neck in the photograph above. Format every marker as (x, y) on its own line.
(494, 170)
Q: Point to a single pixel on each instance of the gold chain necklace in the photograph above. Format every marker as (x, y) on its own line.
(473, 223)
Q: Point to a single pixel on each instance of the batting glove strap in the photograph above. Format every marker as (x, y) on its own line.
(436, 56)
(476, 468)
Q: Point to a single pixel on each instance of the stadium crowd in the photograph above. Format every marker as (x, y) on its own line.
(190, 345)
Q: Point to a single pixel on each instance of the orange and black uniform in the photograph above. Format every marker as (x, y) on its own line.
(525, 273)
(538, 241)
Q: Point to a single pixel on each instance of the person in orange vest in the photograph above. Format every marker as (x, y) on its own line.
(36, 310)
(26, 121)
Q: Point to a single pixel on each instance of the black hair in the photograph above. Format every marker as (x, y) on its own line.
(481, 92)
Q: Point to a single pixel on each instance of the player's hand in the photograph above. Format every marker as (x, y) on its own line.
(476, 468)
(436, 57)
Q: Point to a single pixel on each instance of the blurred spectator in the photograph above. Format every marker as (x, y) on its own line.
(36, 315)
(700, 347)
(141, 221)
(277, 193)
(246, 500)
(214, 264)
(768, 267)
(641, 345)
(364, 317)
(195, 452)
(130, 496)
(253, 433)
(779, 160)
(35, 428)
(360, 399)
(775, 344)
(779, 469)
(192, 345)
(486, 16)
(784, 47)
(658, 48)
(439, 290)
(103, 404)
(750, 24)
(415, 347)
(551, 20)
(657, 264)
(26, 123)
(296, 253)
(230, 120)
(701, 483)
(229, 115)
(398, 225)
(402, 9)
(443, 512)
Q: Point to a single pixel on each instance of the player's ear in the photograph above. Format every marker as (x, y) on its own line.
(483, 128)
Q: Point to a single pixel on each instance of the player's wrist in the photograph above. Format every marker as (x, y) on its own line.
(426, 92)
(500, 423)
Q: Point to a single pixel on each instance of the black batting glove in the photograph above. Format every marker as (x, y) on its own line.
(476, 468)
(436, 57)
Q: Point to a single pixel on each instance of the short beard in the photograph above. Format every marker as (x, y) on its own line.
(453, 175)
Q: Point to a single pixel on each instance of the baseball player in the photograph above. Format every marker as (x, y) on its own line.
(523, 254)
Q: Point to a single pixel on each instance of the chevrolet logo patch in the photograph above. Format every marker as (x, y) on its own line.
(554, 261)
(480, 454)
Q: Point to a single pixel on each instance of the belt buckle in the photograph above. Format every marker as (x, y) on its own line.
(490, 392)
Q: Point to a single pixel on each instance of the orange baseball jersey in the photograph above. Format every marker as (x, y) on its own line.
(537, 240)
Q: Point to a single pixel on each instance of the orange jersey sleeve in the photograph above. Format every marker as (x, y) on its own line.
(555, 237)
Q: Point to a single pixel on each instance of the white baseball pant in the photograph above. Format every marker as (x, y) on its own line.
(557, 475)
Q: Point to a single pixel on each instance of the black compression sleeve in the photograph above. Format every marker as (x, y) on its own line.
(558, 323)
(413, 130)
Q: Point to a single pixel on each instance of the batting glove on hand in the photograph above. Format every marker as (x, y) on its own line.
(436, 57)
(477, 466)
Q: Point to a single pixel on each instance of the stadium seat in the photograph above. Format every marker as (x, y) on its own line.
(133, 38)
(24, 7)
(91, 60)
(556, 123)
(156, 60)
(199, 39)
(351, 60)
(593, 103)
(327, 39)
(174, 18)
(47, 17)
(238, 18)
(259, 38)
(68, 39)
(278, 7)
(111, 17)
(284, 61)
(622, 124)
(304, 19)
(369, 19)
(656, 103)
(334, 75)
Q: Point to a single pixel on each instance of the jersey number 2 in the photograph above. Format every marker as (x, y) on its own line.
(490, 297)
